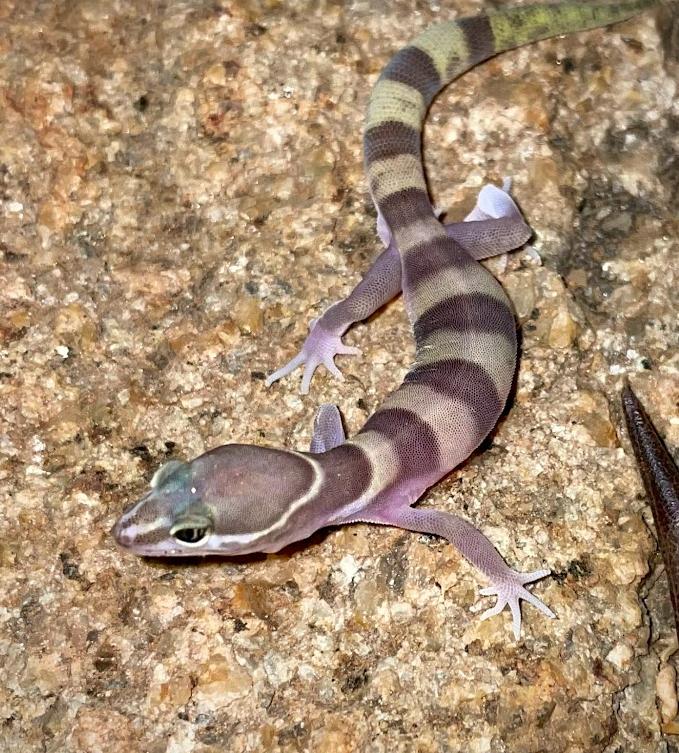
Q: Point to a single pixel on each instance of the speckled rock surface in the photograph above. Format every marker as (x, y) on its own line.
(181, 190)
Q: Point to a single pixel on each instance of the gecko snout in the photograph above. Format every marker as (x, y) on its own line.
(121, 534)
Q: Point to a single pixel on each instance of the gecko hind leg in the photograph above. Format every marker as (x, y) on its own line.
(482, 239)
(507, 584)
(495, 226)
(324, 341)
(328, 429)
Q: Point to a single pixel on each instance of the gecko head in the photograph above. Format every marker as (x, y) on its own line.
(235, 499)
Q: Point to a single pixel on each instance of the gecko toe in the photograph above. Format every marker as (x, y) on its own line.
(288, 368)
(310, 367)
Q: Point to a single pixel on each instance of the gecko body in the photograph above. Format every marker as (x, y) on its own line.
(236, 498)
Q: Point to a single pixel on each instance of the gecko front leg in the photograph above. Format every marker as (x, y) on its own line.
(328, 429)
(324, 341)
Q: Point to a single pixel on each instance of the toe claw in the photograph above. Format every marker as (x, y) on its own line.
(347, 350)
(538, 604)
(515, 609)
(535, 575)
(493, 610)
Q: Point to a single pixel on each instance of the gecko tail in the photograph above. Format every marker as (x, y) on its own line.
(416, 73)
(513, 27)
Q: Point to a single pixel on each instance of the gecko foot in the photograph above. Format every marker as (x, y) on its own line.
(509, 589)
(320, 347)
(494, 202)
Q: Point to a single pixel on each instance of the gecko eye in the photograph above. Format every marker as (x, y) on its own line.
(190, 534)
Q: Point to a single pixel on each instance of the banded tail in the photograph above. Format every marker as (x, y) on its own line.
(463, 322)
(418, 72)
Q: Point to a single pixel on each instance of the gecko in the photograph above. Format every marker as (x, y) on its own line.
(660, 475)
(238, 499)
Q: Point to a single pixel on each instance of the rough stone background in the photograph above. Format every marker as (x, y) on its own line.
(181, 190)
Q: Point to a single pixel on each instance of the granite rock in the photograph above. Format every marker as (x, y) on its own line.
(182, 190)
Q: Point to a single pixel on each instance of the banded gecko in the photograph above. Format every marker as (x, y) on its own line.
(237, 499)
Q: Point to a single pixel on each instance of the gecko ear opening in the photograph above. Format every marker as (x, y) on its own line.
(165, 471)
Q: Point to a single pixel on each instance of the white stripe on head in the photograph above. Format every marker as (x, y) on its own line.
(134, 530)
(222, 540)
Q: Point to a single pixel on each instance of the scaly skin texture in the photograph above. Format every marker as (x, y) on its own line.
(660, 475)
(236, 498)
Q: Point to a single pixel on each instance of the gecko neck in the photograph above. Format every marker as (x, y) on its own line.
(342, 476)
